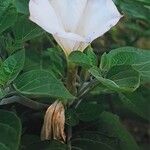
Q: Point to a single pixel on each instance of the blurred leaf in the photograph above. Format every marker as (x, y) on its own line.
(41, 83)
(89, 111)
(47, 145)
(72, 118)
(25, 30)
(135, 9)
(138, 102)
(8, 14)
(109, 124)
(88, 144)
(11, 67)
(10, 129)
(119, 78)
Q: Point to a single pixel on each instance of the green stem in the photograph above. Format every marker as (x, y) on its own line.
(71, 86)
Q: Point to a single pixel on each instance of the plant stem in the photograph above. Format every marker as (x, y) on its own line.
(24, 101)
(83, 92)
(71, 86)
(111, 105)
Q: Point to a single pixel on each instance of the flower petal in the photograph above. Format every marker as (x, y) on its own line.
(99, 16)
(69, 11)
(42, 13)
(69, 45)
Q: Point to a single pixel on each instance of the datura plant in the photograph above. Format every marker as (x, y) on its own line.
(74, 25)
(69, 69)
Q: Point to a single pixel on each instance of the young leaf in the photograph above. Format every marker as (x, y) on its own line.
(80, 59)
(41, 83)
(11, 67)
(86, 59)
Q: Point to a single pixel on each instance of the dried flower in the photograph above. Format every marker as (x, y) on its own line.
(54, 122)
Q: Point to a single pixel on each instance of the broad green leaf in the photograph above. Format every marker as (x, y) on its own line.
(8, 14)
(10, 119)
(138, 102)
(10, 129)
(109, 124)
(41, 83)
(119, 78)
(50, 60)
(11, 67)
(89, 111)
(139, 59)
(25, 30)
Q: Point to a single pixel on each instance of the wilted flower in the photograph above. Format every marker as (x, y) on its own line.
(54, 122)
(74, 23)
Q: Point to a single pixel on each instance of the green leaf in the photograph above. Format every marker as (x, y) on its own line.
(86, 59)
(11, 67)
(88, 144)
(89, 111)
(3, 147)
(135, 9)
(8, 14)
(52, 145)
(2, 93)
(139, 59)
(109, 124)
(80, 59)
(10, 129)
(138, 102)
(22, 6)
(119, 78)
(50, 60)
(41, 83)
(91, 55)
(25, 30)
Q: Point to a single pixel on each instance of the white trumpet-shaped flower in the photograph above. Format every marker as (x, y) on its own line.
(74, 23)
